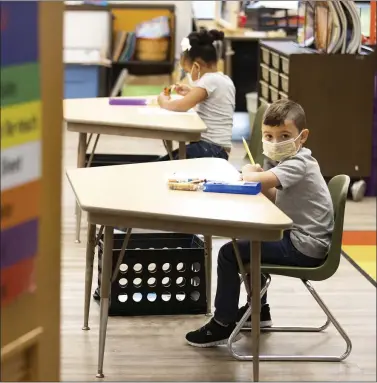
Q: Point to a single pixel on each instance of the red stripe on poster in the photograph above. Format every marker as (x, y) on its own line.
(17, 279)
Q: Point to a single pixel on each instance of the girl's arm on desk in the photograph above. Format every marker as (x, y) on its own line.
(193, 97)
(268, 180)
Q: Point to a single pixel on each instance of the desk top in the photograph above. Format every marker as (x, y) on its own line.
(141, 191)
(97, 111)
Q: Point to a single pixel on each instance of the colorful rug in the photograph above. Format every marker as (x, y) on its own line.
(359, 248)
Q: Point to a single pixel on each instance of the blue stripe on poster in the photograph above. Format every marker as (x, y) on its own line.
(19, 32)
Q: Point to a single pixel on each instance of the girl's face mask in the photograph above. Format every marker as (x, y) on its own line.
(279, 151)
(191, 75)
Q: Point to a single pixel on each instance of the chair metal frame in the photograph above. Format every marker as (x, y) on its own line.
(330, 319)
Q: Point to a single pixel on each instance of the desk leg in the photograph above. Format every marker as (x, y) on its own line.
(80, 164)
(90, 248)
(208, 270)
(107, 260)
(255, 262)
(169, 148)
(182, 150)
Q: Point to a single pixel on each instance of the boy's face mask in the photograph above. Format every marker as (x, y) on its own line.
(279, 151)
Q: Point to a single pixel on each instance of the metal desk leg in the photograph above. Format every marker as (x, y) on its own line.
(169, 148)
(208, 270)
(80, 164)
(90, 248)
(255, 273)
(182, 150)
(107, 260)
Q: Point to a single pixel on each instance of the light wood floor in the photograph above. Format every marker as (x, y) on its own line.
(153, 348)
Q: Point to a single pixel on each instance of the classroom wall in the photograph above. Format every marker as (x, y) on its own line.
(183, 14)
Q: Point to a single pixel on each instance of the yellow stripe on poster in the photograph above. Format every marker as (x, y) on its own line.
(20, 124)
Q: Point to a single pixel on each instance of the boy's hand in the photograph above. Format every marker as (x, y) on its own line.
(182, 89)
(252, 169)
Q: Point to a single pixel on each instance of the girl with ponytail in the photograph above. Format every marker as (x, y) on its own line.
(209, 91)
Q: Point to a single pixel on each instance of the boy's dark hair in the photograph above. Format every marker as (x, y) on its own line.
(203, 47)
(283, 110)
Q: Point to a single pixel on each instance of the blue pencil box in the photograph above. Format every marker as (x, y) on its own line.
(250, 188)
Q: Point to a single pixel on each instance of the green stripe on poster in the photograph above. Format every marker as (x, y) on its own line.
(19, 84)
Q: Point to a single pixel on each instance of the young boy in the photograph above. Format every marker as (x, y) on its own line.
(297, 187)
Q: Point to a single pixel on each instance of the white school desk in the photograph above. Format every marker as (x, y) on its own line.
(96, 116)
(137, 196)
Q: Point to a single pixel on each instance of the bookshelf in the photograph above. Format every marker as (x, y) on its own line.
(125, 18)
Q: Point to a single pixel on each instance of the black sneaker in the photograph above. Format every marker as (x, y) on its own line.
(265, 316)
(211, 334)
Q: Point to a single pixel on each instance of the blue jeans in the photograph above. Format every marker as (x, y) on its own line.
(281, 253)
(200, 149)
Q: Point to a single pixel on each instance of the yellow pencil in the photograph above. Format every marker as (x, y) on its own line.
(248, 151)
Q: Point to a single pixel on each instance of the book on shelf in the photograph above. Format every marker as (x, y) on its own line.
(129, 48)
(120, 42)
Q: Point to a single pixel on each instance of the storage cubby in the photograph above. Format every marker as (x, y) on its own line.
(336, 92)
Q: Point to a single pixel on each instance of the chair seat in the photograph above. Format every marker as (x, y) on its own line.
(306, 273)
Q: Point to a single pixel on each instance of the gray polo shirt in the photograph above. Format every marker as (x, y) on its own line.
(305, 198)
(217, 109)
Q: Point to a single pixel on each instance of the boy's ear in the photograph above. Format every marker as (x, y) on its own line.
(304, 135)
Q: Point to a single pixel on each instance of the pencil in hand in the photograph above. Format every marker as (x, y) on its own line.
(251, 159)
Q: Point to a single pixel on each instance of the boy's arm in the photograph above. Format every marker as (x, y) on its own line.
(268, 180)
(194, 96)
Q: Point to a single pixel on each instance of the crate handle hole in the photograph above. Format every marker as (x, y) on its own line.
(195, 281)
(180, 281)
(123, 283)
(166, 296)
(166, 282)
(152, 267)
(137, 297)
(152, 297)
(152, 282)
(166, 267)
(195, 295)
(195, 267)
(138, 268)
(122, 298)
(181, 296)
(123, 268)
(137, 282)
(181, 267)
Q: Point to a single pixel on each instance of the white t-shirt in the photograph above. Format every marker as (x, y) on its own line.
(218, 108)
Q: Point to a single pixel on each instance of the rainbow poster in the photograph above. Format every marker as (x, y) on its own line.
(20, 147)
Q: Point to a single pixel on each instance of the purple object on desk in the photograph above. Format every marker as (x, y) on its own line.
(128, 101)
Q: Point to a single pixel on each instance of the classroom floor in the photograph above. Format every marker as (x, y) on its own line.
(153, 348)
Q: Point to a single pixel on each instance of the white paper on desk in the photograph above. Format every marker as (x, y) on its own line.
(155, 110)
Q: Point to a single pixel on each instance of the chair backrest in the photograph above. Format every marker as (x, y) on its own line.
(338, 187)
(255, 145)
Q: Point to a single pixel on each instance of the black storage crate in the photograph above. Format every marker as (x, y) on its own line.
(119, 159)
(161, 274)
